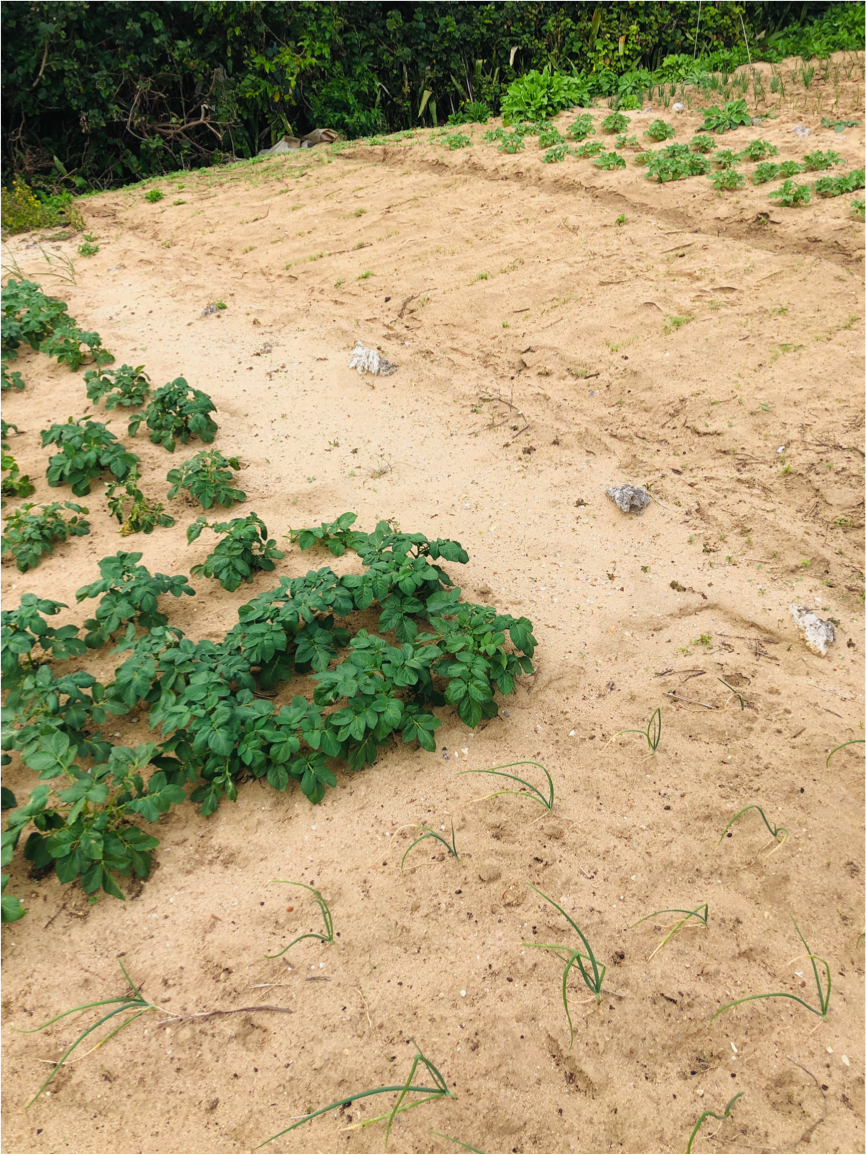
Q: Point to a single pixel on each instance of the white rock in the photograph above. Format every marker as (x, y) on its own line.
(370, 361)
(818, 634)
(678, 107)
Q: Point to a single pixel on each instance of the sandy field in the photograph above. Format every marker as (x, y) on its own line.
(558, 329)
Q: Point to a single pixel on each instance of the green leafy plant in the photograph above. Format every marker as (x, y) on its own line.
(609, 160)
(757, 150)
(834, 186)
(337, 535)
(588, 148)
(530, 792)
(24, 629)
(451, 846)
(512, 142)
(15, 483)
(153, 196)
(779, 833)
(858, 208)
(65, 346)
(244, 550)
(540, 95)
(712, 1115)
(88, 247)
(731, 116)
(87, 449)
(471, 112)
(176, 413)
(135, 513)
(29, 316)
(652, 733)
(207, 478)
(581, 127)
(727, 180)
(660, 130)
(675, 162)
(789, 195)
(328, 936)
(624, 141)
(30, 535)
(439, 1090)
(556, 154)
(550, 137)
(823, 988)
(816, 161)
(702, 144)
(725, 158)
(127, 387)
(591, 971)
(701, 913)
(11, 379)
(10, 906)
(456, 140)
(129, 593)
(615, 122)
(838, 125)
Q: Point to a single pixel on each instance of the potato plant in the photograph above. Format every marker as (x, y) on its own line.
(30, 317)
(176, 413)
(218, 729)
(135, 512)
(15, 483)
(30, 535)
(130, 593)
(244, 550)
(125, 386)
(207, 478)
(87, 449)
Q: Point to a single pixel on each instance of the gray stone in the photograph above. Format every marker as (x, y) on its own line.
(629, 498)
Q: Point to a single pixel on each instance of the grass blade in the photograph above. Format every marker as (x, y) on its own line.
(534, 793)
(823, 996)
(853, 742)
(450, 847)
(456, 1142)
(704, 918)
(774, 830)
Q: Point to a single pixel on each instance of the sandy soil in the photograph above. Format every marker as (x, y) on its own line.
(708, 347)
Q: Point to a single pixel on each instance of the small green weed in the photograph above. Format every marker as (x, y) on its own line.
(153, 196)
(88, 247)
(838, 125)
(455, 140)
(327, 918)
(625, 141)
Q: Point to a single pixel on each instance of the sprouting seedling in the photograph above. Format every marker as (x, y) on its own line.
(701, 913)
(711, 1115)
(852, 742)
(438, 1091)
(328, 936)
(135, 1002)
(652, 733)
(530, 792)
(592, 977)
(780, 833)
(733, 691)
(823, 995)
(451, 846)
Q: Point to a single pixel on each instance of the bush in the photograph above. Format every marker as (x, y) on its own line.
(541, 95)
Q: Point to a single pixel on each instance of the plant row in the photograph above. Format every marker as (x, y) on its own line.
(212, 701)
